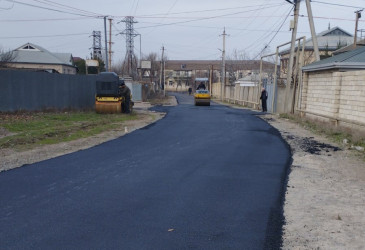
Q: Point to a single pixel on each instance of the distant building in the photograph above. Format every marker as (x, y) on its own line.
(182, 74)
(33, 57)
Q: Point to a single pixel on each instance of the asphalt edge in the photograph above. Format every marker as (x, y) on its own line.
(276, 222)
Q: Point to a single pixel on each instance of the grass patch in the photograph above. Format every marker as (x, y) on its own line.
(157, 99)
(335, 134)
(34, 129)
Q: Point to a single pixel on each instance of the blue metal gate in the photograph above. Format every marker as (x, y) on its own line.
(268, 84)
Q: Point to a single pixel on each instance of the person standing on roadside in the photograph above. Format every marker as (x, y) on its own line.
(126, 93)
(263, 98)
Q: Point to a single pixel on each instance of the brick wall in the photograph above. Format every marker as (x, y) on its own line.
(340, 95)
(351, 100)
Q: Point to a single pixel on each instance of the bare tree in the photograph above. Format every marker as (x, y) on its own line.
(130, 67)
(6, 57)
(118, 67)
(235, 63)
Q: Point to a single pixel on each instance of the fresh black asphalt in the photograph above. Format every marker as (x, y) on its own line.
(201, 178)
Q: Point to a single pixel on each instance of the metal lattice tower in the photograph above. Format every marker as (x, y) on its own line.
(130, 33)
(97, 44)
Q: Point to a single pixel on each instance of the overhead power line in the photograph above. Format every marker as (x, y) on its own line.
(341, 5)
(56, 10)
(206, 10)
(7, 8)
(203, 18)
(45, 19)
(265, 36)
(267, 45)
(51, 3)
(16, 37)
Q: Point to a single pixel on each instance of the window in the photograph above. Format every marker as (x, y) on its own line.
(28, 47)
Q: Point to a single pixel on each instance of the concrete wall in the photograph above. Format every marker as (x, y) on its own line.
(280, 98)
(246, 96)
(350, 95)
(216, 90)
(331, 94)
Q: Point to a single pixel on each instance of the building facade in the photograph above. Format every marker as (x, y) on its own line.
(180, 75)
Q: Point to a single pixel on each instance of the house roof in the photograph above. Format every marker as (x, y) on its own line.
(31, 53)
(354, 59)
(332, 39)
(188, 65)
(329, 40)
(349, 47)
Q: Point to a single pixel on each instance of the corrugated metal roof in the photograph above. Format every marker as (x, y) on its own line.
(353, 59)
(39, 55)
(349, 47)
(328, 41)
(65, 57)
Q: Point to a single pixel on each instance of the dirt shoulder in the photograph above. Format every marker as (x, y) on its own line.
(325, 202)
(12, 159)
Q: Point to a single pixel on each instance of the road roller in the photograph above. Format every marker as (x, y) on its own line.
(202, 97)
(108, 98)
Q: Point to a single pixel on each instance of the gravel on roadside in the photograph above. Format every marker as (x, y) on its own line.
(325, 200)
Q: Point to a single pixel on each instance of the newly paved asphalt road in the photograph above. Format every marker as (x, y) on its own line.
(201, 178)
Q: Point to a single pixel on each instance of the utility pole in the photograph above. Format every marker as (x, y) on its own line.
(140, 50)
(358, 16)
(223, 78)
(162, 68)
(291, 57)
(106, 47)
(211, 79)
(164, 78)
(313, 31)
(110, 43)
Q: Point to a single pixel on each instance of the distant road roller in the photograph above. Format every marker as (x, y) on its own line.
(202, 97)
(108, 98)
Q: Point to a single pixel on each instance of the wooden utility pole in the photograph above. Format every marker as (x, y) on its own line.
(313, 31)
(358, 16)
(210, 79)
(110, 43)
(286, 103)
(106, 47)
(223, 78)
(162, 68)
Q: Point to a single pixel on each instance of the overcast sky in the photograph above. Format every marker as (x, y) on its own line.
(188, 29)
